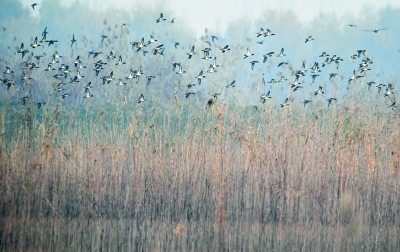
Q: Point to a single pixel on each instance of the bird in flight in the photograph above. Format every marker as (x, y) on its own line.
(191, 53)
(285, 103)
(44, 33)
(248, 53)
(34, 5)
(103, 37)
(73, 40)
(232, 85)
(226, 48)
(161, 18)
(252, 64)
(141, 98)
(309, 39)
(376, 31)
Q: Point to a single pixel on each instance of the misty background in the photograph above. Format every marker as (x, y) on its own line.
(195, 23)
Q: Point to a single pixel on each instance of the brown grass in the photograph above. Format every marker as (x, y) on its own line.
(226, 178)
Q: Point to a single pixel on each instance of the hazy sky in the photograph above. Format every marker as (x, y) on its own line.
(215, 15)
(235, 23)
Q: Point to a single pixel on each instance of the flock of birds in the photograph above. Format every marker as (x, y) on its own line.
(115, 61)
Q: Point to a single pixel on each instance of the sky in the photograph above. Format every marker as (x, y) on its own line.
(216, 15)
(234, 22)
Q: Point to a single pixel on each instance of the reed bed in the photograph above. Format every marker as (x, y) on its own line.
(199, 178)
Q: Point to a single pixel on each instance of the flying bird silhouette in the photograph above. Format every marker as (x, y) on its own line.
(73, 40)
(376, 31)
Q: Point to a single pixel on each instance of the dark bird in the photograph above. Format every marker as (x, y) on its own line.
(35, 43)
(285, 103)
(158, 48)
(180, 71)
(190, 85)
(375, 31)
(389, 90)
(252, 64)
(149, 79)
(151, 40)
(103, 37)
(44, 33)
(267, 55)
(199, 77)
(265, 97)
(188, 94)
(174, 65)
(309, 39)
(216, 96)
(39, 104)
(8, 71)
(51, 42)
(261, 32)
(281, 53)
(161, 18)
(141, 98)
(297, 88)
(330, 101)
(120, 83)
(34, 5)
(225, 48)
(73, 40)
(319, 91)
(268, 33)
(369, 84)
(177, 44)
(120, 63)
(362, 51)
(232, 85)
(313, 77)
(324, 55)
(63, 96)
(21, 48)
(95, 54)
(191, 53)
(392, 105)
(23, 99)
(306, 102)
(332, 75)
(87, 94)
(110, 56)
(89, 85)
(282, 63)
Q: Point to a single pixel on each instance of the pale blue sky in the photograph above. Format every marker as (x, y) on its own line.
(216, 15)
(235, 24)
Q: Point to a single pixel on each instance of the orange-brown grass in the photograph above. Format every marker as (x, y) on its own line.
(200, 179)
